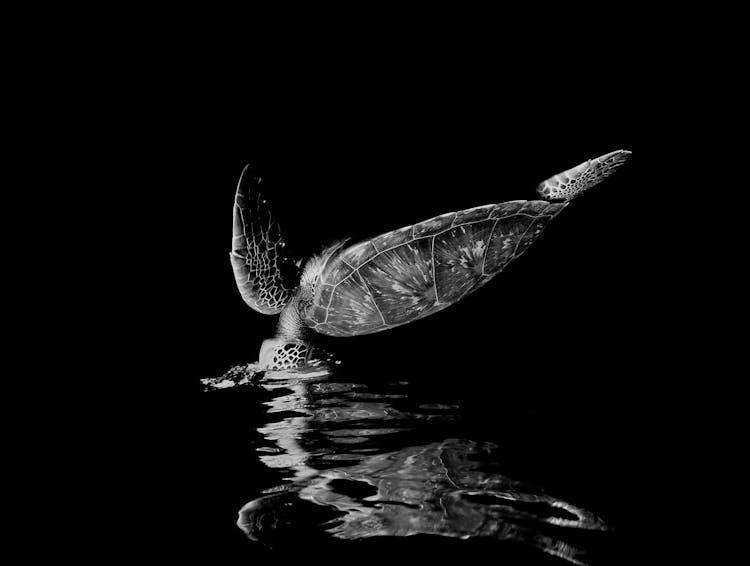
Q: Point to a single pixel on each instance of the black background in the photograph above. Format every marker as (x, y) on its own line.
(141, 123)
(353, 147)
(346, 155)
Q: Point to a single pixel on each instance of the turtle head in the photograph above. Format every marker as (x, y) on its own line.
(278, 353)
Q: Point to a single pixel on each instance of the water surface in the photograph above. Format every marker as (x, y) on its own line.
(354, 460)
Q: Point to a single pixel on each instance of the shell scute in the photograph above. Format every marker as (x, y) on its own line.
(391, 239)
(506, 239)
(554, 208)
(401, 280)
(534, 207)
(356, 312)
(337, 270)
(507, 208)
(473, 214)
(324, 295)
(317, 314)
(358, 254)
(459, 259)
(433, 225)
(329, 330)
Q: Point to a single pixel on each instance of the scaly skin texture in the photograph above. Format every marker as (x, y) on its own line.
(573, 182)
(260, 267)
(292, 345)
(276, 353)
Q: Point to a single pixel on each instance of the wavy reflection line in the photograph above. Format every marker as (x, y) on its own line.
(438, 488)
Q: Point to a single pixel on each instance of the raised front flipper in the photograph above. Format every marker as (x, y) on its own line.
(264, 275)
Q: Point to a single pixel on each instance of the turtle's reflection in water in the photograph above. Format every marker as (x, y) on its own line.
(352, 477)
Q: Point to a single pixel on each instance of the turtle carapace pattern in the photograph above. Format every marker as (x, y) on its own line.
(392, 279)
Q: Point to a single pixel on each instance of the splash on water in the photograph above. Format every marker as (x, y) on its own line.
(251, 373)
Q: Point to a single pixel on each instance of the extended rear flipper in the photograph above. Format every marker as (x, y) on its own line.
(571, 183)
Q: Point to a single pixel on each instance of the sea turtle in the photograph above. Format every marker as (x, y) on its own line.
(394, 278)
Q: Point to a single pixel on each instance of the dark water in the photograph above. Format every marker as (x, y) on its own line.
(355, 463)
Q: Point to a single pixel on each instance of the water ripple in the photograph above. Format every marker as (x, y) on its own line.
(377, 462)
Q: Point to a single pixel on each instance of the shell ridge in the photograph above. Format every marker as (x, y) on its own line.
(434, 279)
(487, 249)
(518, 243)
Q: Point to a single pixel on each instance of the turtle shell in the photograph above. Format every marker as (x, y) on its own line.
(407, 274)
